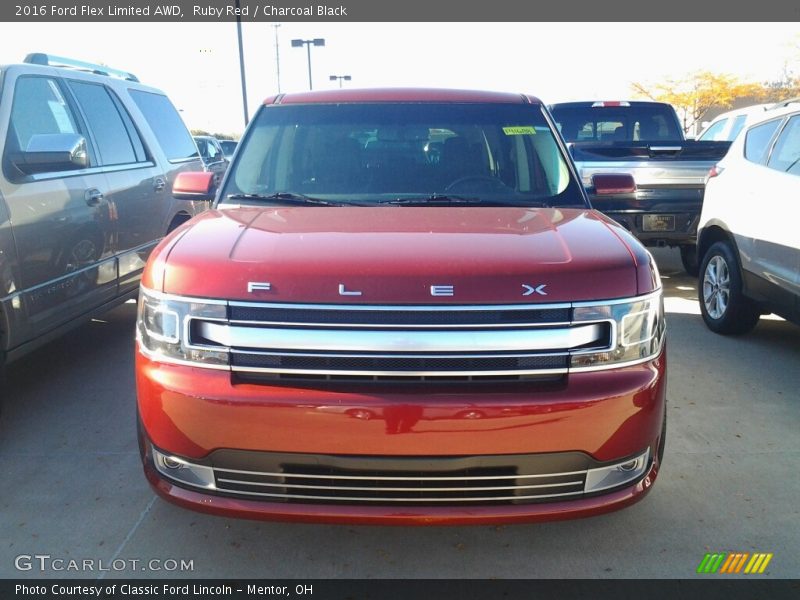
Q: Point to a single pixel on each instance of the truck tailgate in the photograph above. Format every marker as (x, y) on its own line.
(649, 173)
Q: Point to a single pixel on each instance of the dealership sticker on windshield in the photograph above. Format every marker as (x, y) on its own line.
(519, 130)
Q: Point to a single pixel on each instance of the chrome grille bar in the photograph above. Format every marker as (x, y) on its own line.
(418, 500)
(397, 478)
(233, 336)
(398, 489)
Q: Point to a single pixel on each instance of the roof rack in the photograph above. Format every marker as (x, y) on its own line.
(784, 103)
(39, 58)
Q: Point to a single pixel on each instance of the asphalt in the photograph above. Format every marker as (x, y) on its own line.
(72, 486)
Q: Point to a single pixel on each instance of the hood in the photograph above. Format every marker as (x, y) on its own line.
(399, 255)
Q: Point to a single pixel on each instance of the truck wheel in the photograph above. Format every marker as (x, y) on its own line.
(724, 307)
(689, 260)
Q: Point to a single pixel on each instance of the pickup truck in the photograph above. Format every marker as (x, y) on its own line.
(644, 140)
(401, 309)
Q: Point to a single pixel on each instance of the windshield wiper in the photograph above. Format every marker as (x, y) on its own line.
(432, 199)
(286, 198)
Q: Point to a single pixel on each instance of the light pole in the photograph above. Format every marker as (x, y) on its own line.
(241, 65)
(308, 44)
(341, 78)
(277, 56)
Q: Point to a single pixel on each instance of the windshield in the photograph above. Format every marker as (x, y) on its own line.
(381, 153)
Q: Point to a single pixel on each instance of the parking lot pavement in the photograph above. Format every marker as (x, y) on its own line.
(73, 488)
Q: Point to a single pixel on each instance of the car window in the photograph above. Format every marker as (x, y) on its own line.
(757, 140)
(736, 127)
(228, 147)
(369, 153)
(113, 139)
(615, 123)
(213, 151)
(786, 153)
(167, 125)
(202, 147)
(39, 107)
(714, 132)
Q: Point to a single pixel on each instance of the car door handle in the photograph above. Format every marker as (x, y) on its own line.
(159, 184)
(93, 197)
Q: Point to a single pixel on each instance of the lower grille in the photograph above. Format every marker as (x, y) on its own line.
(409, 481)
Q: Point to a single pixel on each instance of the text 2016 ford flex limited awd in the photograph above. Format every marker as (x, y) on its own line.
(401, 309)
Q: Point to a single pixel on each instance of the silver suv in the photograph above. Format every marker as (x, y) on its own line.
(88, 160)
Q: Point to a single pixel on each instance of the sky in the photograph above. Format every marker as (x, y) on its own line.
(197, 64)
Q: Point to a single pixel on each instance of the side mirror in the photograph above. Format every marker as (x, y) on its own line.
(194, 185)
(606, 184)
(52, 152)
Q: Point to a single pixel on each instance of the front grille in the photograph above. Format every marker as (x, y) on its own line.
(509, 342)
(320, 479)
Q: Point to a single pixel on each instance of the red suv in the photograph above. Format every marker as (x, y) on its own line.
(402, 309)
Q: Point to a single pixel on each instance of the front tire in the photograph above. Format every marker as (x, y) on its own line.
(725, 308)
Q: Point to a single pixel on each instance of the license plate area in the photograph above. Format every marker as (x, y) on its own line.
(658, 223)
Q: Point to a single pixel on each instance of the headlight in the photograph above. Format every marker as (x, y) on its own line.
(637, 331)
(163, 329)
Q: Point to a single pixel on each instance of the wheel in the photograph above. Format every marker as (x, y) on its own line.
(689, 260)
(724, 307)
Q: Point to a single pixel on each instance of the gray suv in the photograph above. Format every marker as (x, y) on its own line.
(88, 160)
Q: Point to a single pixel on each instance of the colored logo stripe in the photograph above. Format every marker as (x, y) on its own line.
(758, 564)
(711, 562)
(734, 562)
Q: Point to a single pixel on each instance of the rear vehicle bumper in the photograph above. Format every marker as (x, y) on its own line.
(203, 417)
(683, 234)
(678, 208)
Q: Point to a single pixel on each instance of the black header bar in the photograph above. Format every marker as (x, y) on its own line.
(402, 11)
(710, 588)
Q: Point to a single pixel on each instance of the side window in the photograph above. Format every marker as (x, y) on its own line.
(213, 152)
(114, 144)
(714, 133)
(736, 127)
(39, 108)
(786, 154)
(166, 124)
(757, 140)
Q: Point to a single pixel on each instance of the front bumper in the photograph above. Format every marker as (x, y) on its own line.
(606, 415)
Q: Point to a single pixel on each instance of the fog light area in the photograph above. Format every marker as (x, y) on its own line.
(178, 469)
(615, 475)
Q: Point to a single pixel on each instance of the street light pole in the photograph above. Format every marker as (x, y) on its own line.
(308, 44)
(308, 49)
(340, 78)
(241, 64)
(277, 56)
